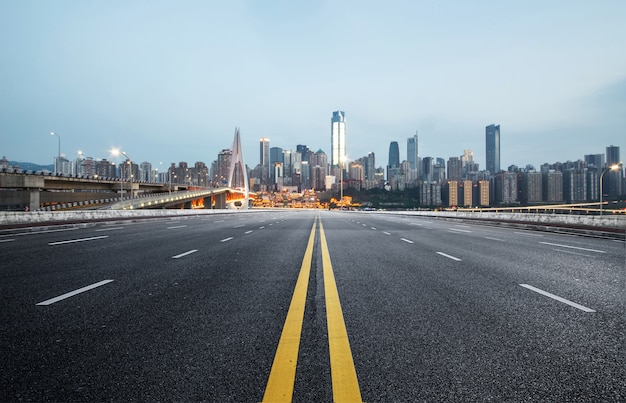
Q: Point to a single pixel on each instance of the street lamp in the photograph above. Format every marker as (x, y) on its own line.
(611, 168)
(59, 154)
(130, 171)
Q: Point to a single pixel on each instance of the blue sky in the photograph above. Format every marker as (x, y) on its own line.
(168, 81)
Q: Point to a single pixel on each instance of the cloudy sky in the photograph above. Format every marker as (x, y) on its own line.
(168, 81)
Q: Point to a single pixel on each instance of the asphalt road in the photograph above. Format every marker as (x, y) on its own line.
(193, 309)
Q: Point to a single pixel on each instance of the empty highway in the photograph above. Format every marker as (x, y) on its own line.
(310, 306)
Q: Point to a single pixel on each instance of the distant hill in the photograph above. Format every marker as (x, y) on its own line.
(31, 166)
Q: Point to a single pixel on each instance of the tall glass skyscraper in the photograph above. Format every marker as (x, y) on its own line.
(264, 158)
(338, 137)
(412, 157)
(492, 142)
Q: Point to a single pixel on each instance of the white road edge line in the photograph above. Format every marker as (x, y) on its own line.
(573, 247)
(177, 226)
(406, 240)
(7, 240)
(226, 239)
(78, 240)
(494, 239)
(449, 256)
(556, 297)
(185, 254)
(458, 230)
(72, 293)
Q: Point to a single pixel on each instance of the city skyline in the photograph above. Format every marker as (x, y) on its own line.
(171, 81)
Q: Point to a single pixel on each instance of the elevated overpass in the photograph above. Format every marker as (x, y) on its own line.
(28, 190)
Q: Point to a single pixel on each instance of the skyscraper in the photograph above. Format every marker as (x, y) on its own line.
(492, 142)
(393, 167)
(614, 177)
(412, 157)
(338, 138)
(264, 158)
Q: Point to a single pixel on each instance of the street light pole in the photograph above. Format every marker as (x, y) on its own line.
(59, 154)
(130, 164)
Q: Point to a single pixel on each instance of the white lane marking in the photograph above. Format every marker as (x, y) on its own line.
(78, 240)
(527, 233)
(226, 239)
(109, 229)
(556, 297)
(494, 239)
(449, 256)
(185, 254)
(177, 226)
(414, 223)
(365, 225)
(406, 240)
(218, 221)
(261, 227)
(462, 226)
(570, 252)
(271, 224)
(573, 247)
(39, 232)
(373, 227)
(72, 293)
(386, 233)
(458, 230)
(7, 240)
(239, 226)
(248, 232)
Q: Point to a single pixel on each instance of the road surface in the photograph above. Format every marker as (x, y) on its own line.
(310, 306)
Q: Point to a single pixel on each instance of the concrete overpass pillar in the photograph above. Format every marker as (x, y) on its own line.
(219, 201)
(34, 199)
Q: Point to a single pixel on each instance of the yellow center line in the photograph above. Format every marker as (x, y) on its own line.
(283, 374)
(343, 374)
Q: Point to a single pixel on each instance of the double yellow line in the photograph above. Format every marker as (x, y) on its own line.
(343, 374)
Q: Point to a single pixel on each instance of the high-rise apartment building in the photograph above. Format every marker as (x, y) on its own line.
(492, 142)
(337, 138)
(412, 158)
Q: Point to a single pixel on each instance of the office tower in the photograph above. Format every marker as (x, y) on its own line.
(276, 157)
(454, 169)
(338, 138)
(612, 155)
(613, 179)
(492, 142)
(264, 158)
(412, 158)
(394, 160)
(427, 168)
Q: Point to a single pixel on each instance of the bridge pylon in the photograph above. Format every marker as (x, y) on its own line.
(237, 172)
